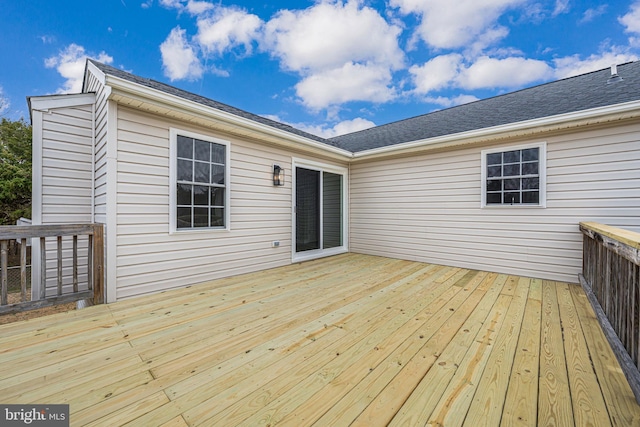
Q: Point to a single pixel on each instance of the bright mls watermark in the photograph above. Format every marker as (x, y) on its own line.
(34, 415)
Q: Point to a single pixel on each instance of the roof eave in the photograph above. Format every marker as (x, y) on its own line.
(559, 122)
(142, 93)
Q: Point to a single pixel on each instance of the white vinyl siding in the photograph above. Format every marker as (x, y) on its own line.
(427, 207)
(94, 85)
(150, 259)
(66, 194)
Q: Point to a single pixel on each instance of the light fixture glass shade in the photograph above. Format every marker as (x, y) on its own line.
(278, 175)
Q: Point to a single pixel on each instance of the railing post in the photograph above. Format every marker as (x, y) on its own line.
(97, 262)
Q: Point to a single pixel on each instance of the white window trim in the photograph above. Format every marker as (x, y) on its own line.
(173, 167)
(542, 165)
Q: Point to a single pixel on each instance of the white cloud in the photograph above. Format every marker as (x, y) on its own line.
(572, 65)
(446, 26)
(227, 28)
(46, 39)
(591, 14)
(4, 102)
(351, 82)
(450, 71)
(172, 4)
(199, 7)
(511, 72)
(342, 51)
(70, 64)
(562, 6)
(329, 35)
(350, 126)
(179, 59)
(631, 20)
(438, 73)
(450, 102)
(328, 131)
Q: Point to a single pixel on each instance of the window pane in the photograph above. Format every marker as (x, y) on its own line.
(200, 195)
(530, 154)
(493, 198)
(217, 196)
(512, 156)
(511, 198)
(184, 218)
(217, 174)
(184, 194)
(200, 217)
(512, 184)
(512, 170)
(202, 150)
(530, 183)
(201, 171)
(494, 159)
(185, 172)
(530, 168)
(494, 185)
(494, 171)
(218, 154)
(217, 217)
(185, 147)
(531, 197)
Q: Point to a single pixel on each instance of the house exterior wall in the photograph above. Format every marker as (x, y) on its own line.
(149, 258)
(62, 185)
(93, 84)
(428, 207)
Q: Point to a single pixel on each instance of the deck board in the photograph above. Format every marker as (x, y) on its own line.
(346, 340)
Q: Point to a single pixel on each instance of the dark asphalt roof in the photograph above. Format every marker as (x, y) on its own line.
(206, 101)
(568, 95)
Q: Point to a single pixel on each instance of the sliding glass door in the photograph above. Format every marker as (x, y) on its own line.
(319, 214)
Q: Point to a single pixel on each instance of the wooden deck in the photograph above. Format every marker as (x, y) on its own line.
(347, 340)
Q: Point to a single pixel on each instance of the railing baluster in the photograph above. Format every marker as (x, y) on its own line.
(23, 270)
(75, 263)
(4, 263)
(59, 255)
(43, 268)
(90, 263)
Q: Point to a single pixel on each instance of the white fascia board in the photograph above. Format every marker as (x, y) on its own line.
(47, 102)
(150, 94)
(562, 121)
(90, 68)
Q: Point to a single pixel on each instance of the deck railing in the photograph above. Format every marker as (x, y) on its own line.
(611, 279)
(60, 245)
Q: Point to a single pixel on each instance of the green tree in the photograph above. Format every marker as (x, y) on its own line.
(15, 171)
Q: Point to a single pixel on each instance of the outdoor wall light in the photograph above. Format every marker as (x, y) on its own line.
(278, 175)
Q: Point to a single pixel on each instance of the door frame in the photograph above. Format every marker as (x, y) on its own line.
(321, 167)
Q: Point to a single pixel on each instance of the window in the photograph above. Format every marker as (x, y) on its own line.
(514, 176)
(199, 177)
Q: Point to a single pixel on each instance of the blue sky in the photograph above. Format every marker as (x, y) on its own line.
(327, 67)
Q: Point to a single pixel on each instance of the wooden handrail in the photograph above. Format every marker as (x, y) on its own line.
(95, 255)
(611, 279)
